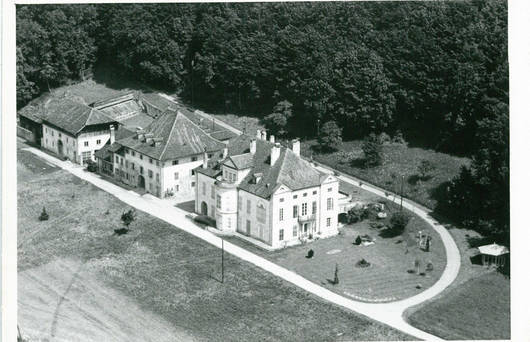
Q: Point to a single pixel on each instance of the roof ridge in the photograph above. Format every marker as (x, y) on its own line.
(169, 135)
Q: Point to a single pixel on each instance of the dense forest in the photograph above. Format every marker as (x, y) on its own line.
(435, 71)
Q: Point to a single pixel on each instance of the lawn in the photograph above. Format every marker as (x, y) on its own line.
(467, 309)
(154, 283)
(399, 161)
(477, 310)
(391, 257)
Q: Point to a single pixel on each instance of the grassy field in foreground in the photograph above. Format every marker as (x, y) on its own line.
(478, 309)
(75, 272)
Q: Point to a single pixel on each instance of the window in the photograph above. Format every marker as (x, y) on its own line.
(141, 157)
(132, 166)
(46, 141)
(204, 188)
(305, 194)
(46, 129)
(177, 188)
(193, 159)
(314, 208)
(248, 206)
(126, 163)
(175, 162)
(157, 163)
(117, 159)
(281, 234)
(121, 161)
(212, 195)
(210, 155)
(192, 184)
(295, 230)
(53, 143)
(193, 172)
(98, 142)
(176, 175)
(67, 141)
(229, 222)
(330, 203)
(141, 170)
(86, 156)
(218, 202)
(281, 214)
(150, 173)
(314, 192)
(329, 189)
(260, 213)
(157, 178)
(304, 209)
(150, 160)
(281, 199)
(295, 196)
(328, 222)
(52, 134)
(60, 135)
(86, 143)
(133, 153)
(295, 211)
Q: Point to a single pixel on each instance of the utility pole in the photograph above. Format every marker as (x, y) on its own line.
(401, 204)
(222, 260)
(318, 128)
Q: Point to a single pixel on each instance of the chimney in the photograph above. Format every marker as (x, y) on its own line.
(264, 135)
(296, 147)
(275, 153)
(257, 177)
(253, 146)
(271, 138)
(112, 134)
(205, 159)
(225, 152)
(258, 134)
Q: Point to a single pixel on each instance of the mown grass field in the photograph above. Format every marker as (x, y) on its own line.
(391, 257)
(80, 281)
(478, 310)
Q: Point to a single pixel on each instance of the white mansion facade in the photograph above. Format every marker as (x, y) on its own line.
(267, 192)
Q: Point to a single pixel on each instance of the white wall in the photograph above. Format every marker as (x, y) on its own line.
(50, 138)
(333, 184)
(186, 181)
(258, 230)
(95, 140)
(208, 183)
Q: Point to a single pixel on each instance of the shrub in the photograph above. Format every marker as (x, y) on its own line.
(373, 151)
(128, 217)
(204, 220)
(425, 168)
(330, 136)
(356, 214)
(358, 240)
(92, 166)
(398, 138)
(399, 220)
(44, 215)
(362, 263)
(310, 254)
(384, 138)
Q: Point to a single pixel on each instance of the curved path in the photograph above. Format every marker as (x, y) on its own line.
(387, 313)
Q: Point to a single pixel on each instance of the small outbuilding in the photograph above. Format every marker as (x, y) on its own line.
(494, 255)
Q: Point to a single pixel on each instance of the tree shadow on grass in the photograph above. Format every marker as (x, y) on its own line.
(414, 179)
(121, 231)
(390, 233)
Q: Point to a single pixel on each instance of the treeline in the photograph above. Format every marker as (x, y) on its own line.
(436, 71)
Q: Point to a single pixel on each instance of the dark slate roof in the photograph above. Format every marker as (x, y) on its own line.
(122, 132)
(179, 138)
(33, 113)
(103, 153)
(72, 116)
(289, 170)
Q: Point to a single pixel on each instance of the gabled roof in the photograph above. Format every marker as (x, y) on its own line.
(289, 169)
(493, 249)
(179, 137)
(72, 116)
